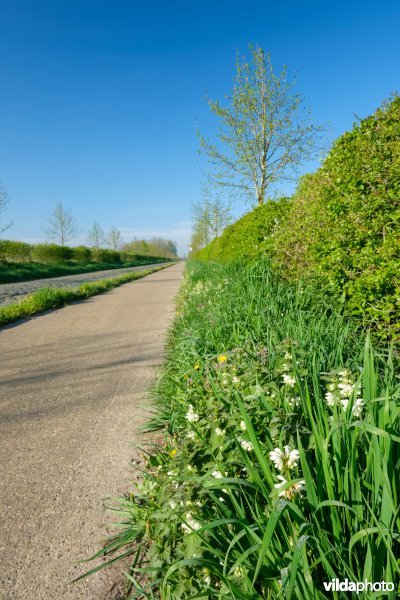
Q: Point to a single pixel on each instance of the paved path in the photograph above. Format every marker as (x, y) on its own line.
(13, 292)
(72, 387)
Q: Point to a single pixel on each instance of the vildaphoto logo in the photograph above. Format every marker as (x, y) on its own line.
(335, 585)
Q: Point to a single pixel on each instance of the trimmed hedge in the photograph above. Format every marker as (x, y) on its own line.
(342, 226)
(251, 236)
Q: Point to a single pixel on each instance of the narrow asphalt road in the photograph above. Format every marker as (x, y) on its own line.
(72, 392)
(13, 292)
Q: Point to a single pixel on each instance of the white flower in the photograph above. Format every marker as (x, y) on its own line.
(293, 402)
(248, 446)
(331, 399)
(207, 580)
(286, 457)
(235, 379)
(217, 474)
(344, 403)
(191, 416)
(172, 504)
(288, 356)
(294, 457)
(190, 435)
(289, 380)
(243, 426)
(289, 492)
(191, 524)
(219, 431)
(358, 407)
(346, 389)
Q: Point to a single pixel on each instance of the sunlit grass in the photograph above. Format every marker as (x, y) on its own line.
(258, 367)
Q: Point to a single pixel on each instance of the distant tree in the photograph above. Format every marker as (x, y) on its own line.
(61, 227)
(4, 200)
(214, 214)
(114, 238)
(96, 236)
(264, 133)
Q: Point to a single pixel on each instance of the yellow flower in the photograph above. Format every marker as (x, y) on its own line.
(197, 366)
(222, 358)
(173, 453)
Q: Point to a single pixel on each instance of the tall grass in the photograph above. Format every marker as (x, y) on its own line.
(279, 469)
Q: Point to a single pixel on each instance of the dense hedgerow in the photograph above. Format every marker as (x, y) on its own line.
(343, 223)
(278, 469)
(251, 236)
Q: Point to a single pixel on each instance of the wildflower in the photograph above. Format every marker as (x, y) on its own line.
(173, 453)
(220, 432)
(358, 407)
(243, 426)
(191, 524)
(197, 366)
(222, 358)
(290, 491)
(217, 474)
(346, 389)
(172, 504)
(248, 446)
(190, 435)
(286, 458)
(191, 416)
(289, 380)
(331, 399)
(293, 402)
(235, 379)
(189, 468)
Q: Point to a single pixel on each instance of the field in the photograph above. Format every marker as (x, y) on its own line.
(11, 272)
(278, 467)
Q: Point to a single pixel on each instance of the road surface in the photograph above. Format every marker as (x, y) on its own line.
(72, 393)
(13, 292)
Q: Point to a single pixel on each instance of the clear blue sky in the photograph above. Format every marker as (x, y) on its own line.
(99, 98)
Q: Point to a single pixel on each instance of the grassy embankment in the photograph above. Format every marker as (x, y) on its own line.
(279, 468)
(11, 272)
(47, 298)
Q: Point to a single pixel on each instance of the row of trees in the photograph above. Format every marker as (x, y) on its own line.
(264, 134)
(62, 228)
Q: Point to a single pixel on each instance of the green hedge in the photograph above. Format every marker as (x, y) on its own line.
(251, 236)
(17, 251)
(342, 225)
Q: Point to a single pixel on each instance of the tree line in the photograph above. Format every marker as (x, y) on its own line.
(62, 228)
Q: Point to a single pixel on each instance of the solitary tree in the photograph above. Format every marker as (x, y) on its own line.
(4, 200)
(96, 236)
(114, 238)
(264, 131)
(61, 225)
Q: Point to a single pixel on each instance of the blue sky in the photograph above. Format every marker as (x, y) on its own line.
(99, 98)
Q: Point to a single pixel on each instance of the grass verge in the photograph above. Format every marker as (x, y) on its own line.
(17, 272)
(279, 467)
(47, 298)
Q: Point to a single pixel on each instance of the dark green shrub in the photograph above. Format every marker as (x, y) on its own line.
(82, 254)
(51, 253)
(108, 256)
(15, 251)
(344, 223)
